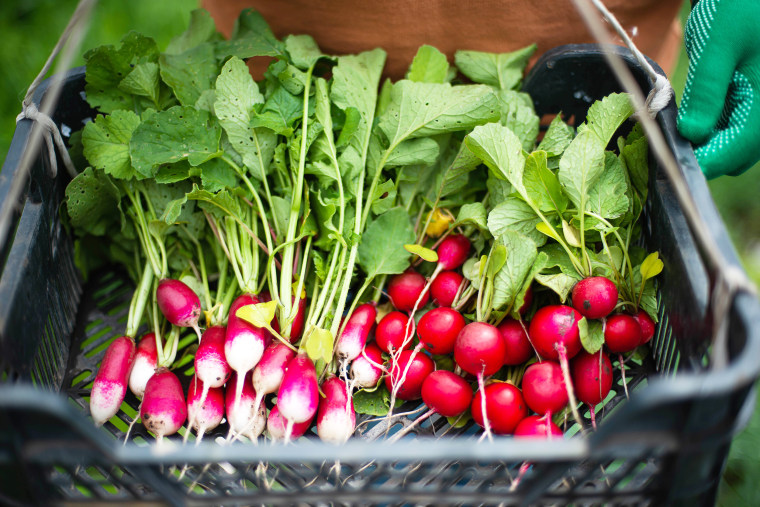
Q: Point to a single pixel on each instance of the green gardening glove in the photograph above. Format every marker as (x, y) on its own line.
(720, 108)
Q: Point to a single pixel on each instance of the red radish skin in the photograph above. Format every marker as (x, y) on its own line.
(438, 330)
(163, 409)
(268, 374)
(245, 418)
(210, 361)
(277, 426)
(445, 287)
(390, 332)
(479, 349)
(595, 297)
(527, 300)
(336, 419)
(446, 393)
(592, 379)
(298, 396)
(622, 333)
(367, 369)
(405, 289)
(179, 303)
(110, 385)
(555, 325)
(535, 426)
(646, 324)
(504, 404)
(516, 342)
(452, 252)
(544, 389)
(419, 367)
(355, 333)
(244, 343)
(204, 415)
(145, 364)
(296, 328)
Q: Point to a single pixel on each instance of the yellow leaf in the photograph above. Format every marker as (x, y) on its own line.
(571, 234)
(319, 345)
(260, 314)
(425, 254)
(439, 223)
(651, 267)
(549, 231)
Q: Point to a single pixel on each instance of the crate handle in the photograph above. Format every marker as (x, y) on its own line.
(728, 279)
(44, 127)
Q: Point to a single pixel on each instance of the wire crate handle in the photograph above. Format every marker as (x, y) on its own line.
(728, 279)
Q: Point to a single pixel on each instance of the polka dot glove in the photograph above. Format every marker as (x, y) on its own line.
(720, 108)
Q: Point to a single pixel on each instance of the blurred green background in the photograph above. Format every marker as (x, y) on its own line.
(30, 29)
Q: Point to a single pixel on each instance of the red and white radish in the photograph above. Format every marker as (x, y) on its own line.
(390, 332)
(210, 362)
(407, 373)
(110, 385)
(145, 364)
(244, 343)
(336, 419)
(246, 418)
(268, 374)
(204, 414)
(592, 379)
(367, 369)
(179, 304)
(595, 297)
(298, 396)
(445, 287)
(277, 426)
(504, 408)
(544, 389)
(438, 330)
(355, 332)
(163, 409)
(517, 345)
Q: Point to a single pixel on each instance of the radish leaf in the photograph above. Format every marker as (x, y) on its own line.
(607, 198)
(189, 74)
(381, 250)
(259, 314)
(319, 345)
(425, 254)
(106, 143)
(429, 66)
(514, 214)
(542, 185)
(591, 334)
(93, 203)
(521, 255)
(557, 137)
(501, 70)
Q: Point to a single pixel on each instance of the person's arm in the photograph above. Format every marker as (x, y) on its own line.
(720, 108)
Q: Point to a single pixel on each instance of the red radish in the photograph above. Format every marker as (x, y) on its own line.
(367, 369)
(268, 374)
(204, 414)
(179, 304)
(555, 336)
(516, 342)
(445, 287)
(592, 379)
(245, 418)
(452, 252)
(544, 388)
(244, 343)
(527, 300)
(110, 385)
(446, 393)
(355, 333)
(438, 330)
(296, 328)
(336, 419)
(536, 426)
(504, 406)
(417, 366)
(646, 324)
(595, 297)
(277, 426)
(479, 349)
(163, 409)
(622, 333)
(298, 396)
(390, 332)
(145, 364)
(406, 288)
(552, 326)
(210, 362)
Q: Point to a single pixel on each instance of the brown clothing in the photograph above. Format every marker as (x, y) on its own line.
(400, 27)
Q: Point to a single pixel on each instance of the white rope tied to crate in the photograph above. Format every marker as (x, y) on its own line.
(729, 279)
(44, 127)
(52, 137)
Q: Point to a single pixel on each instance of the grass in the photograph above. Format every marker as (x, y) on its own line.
(31, 28)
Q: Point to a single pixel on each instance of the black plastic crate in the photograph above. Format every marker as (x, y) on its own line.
(666, 445)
